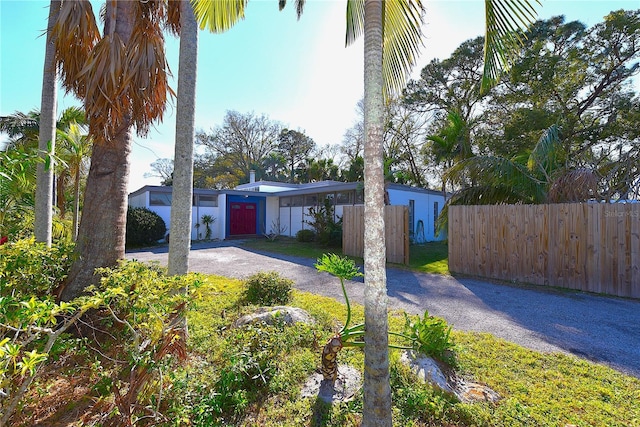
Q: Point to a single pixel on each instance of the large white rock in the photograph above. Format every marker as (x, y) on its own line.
(428, 370)
(286, 314)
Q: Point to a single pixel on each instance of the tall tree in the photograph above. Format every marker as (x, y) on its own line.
(243, 139)
(47, 135)
(377, 390)
(107, 72)
(163, 169)
(294, 146)
(181, 202)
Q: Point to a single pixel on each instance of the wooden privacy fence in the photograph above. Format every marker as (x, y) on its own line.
(396, 224)
(590, 247)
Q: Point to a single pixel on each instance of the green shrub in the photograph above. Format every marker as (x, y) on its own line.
(328, 231)
(144, 227)
(431, 336)
(30, 269)
(267, 289)
(305, 236)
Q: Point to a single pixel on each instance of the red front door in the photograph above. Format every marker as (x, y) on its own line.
(242, 218)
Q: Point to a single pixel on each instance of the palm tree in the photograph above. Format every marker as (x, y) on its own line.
(451, 144)
(74, 150)
(47, 136)
(180, 241)
(223, 16)
(377, 390)
(24, 129)
(121, 76)
(392, 36)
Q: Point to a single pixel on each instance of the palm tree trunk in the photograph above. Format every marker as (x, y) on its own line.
(181, 201)
(61, 202)
(101, 235)
(47, 136)
(76, 201)
(377, 390)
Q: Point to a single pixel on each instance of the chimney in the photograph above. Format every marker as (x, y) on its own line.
(252, 176)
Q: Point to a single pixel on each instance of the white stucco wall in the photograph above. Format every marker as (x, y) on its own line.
(272, 213)
(199, 233)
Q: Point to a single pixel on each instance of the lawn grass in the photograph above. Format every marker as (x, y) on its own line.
(222, 386)
(430, 257)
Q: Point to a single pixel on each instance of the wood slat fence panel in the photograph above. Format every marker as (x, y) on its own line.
(396, 222)
(592, 247)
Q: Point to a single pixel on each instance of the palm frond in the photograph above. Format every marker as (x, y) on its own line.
(492, 171)
(403, 20)
(576, 185)
(299, 4)
(19, 124)
(218, 15)
(72, 115)
(146, 74)
(505, 21)
(106, 103)
(173, 16)
(355, 20)
(548, 154)
(75, 33)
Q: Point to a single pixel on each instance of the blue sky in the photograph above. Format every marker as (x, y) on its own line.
(296, 72)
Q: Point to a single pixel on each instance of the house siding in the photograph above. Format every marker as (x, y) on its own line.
(294, 218)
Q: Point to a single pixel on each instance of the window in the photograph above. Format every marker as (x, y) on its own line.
(311, 200)
(344, 198)
(208, 201)
(412, 213)
(328, 196)
(285, 201)
(297, 201)
(159, 199)
(359, 197)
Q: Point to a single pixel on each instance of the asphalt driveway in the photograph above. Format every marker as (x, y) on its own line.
(602, 329)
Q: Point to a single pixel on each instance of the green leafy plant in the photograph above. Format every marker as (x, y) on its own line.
(344, 269)
(305, 235)
(431, 336)
(29, 328)
(207, 220)
(328, 231)
(29, 269)
(149, 308)
(267, 288)
(144, 227)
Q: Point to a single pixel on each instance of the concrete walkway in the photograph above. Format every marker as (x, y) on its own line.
(602, 329)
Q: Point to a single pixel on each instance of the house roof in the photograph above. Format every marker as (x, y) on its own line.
(288, 189)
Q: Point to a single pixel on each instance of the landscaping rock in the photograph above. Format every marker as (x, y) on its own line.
(286, 314)
(347, 384)
(428, 370)
(470, 392)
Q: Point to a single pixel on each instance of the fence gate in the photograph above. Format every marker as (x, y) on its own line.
(396, 220)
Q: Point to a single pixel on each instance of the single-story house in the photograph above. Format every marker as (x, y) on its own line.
(262, 207)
